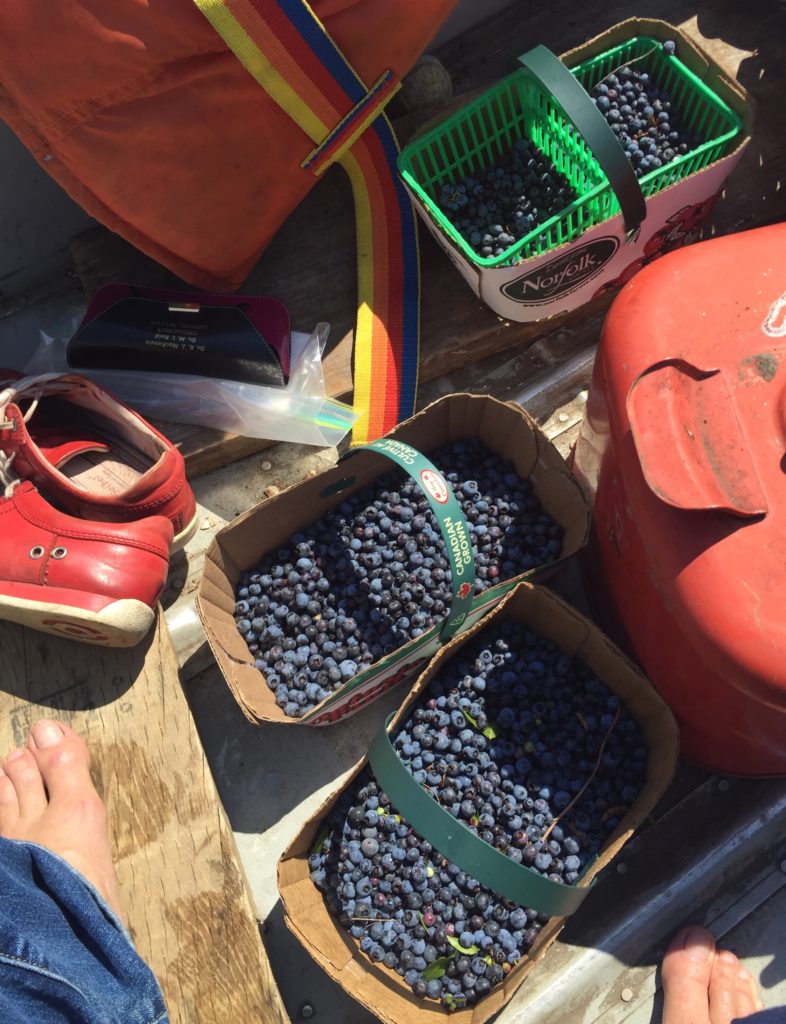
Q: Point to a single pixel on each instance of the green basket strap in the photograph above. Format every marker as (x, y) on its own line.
(451, 521)
(456, 841)
(588, 121)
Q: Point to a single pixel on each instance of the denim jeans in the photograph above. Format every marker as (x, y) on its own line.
(65, 958)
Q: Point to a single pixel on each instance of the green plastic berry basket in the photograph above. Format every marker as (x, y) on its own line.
(473, 139)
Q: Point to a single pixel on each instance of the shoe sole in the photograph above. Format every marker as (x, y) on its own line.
(181, 539)
(121, 623)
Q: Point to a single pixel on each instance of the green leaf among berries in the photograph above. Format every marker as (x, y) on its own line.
(436, 969)
(466, 950)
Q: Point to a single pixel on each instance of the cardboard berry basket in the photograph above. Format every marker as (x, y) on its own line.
(381, 990)
(504, 428)
(617, 223)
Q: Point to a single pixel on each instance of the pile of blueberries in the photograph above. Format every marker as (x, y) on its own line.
(503, 204)
(643, 117)
(533, 753)
(373, 573)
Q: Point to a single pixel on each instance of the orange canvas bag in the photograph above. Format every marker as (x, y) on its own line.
(147, 119)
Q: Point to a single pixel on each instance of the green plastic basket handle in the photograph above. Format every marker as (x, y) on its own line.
(588, 121)
(453, 839)
(451, 521)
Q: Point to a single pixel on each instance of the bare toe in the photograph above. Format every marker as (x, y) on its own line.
(75, 823)
(724, 987)
(21, 769)
(748, 998)
(63, 759)
(9, 805)
(685, 975)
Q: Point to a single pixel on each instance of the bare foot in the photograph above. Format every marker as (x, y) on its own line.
(703, 985)
(47, 797)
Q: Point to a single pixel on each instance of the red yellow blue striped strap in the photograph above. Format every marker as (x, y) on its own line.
(286, 48)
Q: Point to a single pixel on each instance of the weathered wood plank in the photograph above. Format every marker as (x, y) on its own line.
(182, 883)
(310, 263)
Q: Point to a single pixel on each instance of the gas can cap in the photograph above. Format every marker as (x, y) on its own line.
(690, 442)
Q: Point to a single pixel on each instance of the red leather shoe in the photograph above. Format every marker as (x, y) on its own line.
(94, 582)
(92, 455)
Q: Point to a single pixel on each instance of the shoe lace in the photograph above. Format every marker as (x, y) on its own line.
(8, 480)
(30, 387)
(27, 387)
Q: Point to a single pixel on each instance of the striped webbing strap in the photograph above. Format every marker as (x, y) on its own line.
(287, 50)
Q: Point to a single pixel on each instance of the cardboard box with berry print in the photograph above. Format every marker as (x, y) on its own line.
(504, 430)
(619, 193)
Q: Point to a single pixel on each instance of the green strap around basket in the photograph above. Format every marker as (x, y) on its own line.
(588, 121)
(450, 519)
(461, 845)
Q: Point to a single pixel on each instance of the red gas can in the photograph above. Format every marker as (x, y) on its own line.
(683, 451)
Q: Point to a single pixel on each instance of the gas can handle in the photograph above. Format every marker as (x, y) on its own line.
(577, 106)
(689, 440)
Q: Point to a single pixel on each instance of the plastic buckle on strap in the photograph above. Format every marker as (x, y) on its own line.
(352, 126)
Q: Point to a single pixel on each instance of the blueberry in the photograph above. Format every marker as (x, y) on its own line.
(434, 988)
(347, 669)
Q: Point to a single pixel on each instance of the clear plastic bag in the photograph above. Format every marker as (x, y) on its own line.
(300, 412)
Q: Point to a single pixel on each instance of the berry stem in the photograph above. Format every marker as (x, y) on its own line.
(625, 64)
(370, 920)
(592, 775)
